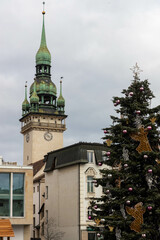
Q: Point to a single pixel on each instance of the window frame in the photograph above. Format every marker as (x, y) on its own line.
(13, 195)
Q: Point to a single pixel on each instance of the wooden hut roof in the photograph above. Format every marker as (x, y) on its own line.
(6, 229)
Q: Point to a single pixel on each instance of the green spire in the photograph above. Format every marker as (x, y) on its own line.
(25, 104)
(34, 98)
(43, 55)
(61, 101)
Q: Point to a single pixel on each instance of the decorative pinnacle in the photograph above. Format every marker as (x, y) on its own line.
(61, 80)
(26, 84)
(136, 71)
(43, 8)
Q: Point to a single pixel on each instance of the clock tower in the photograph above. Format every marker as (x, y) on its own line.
(43, 117)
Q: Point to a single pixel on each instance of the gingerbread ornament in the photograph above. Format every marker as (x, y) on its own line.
(141, 137)
(137, 213)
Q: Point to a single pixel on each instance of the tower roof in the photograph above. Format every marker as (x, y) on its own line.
(34, 98)
(43, 55)
(61, 101)
(25, 104)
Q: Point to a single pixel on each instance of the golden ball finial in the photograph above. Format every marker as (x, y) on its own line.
(43, 12)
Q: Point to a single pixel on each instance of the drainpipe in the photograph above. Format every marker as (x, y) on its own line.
(79, 199)
(39, 204)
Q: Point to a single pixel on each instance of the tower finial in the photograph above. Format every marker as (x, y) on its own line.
(43, 8)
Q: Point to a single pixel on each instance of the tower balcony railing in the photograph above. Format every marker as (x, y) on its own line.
(43, 125)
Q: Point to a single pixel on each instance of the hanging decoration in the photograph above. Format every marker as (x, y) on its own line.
(138, 122)
(137, 213)
(125, 154)
(149, 180)
(118, 233)
(110, 228)
(141, 136)
(123, 211)
(118, 182)
(97, 221)
(153, 119)
(109, 142)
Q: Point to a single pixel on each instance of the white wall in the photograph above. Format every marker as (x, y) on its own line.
(18, 232)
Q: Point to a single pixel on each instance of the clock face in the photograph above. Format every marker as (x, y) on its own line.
(27, 137)
(48, 136)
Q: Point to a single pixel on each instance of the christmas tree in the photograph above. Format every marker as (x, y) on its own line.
(129, 207)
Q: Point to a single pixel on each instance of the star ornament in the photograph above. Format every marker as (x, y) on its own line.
(136, 70)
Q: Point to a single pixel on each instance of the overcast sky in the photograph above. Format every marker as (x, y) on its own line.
(93, 44)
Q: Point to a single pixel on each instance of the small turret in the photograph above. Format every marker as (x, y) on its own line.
(34, 100)
(25, 104)
(61, 101)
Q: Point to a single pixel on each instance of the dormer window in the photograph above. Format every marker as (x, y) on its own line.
(90, 155)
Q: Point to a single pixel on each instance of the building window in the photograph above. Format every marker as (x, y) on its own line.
(92, 236)
(12, 194)
(18, 194)
(34, 189)
(37, 188)
(34, 208)
(90, 156)
(89, 184)
(46, 192)
(5, 194)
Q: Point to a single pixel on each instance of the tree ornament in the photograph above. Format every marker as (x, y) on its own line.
(141, 89)
(95, 206)
(149, 127)
(149, 180)
(103, 220)
(125, 165)
(123, 211)
(138, 122)
(137, 213)
(99, 164)
(153, 119)
(125, 154)
(108, 153)
(118, 182)
(115, 104)
(109, 142)
(131, 94)
(145, 156)
(124, 131)
(98, 234)
(97, 221)
(138, 112)
(105, 131)
(118, 101)
(149, 170)
(109, 175)
(89, 217)
(118, 233)
(128, 202)
(143, 235)
(141, 136)
(149, 208)
(130, 189)
(110, 228)
(107, 191)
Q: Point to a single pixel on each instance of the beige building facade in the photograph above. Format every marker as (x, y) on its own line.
(16, 198)
(69, 175)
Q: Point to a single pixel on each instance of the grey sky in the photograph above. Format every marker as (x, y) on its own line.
(93, 44)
